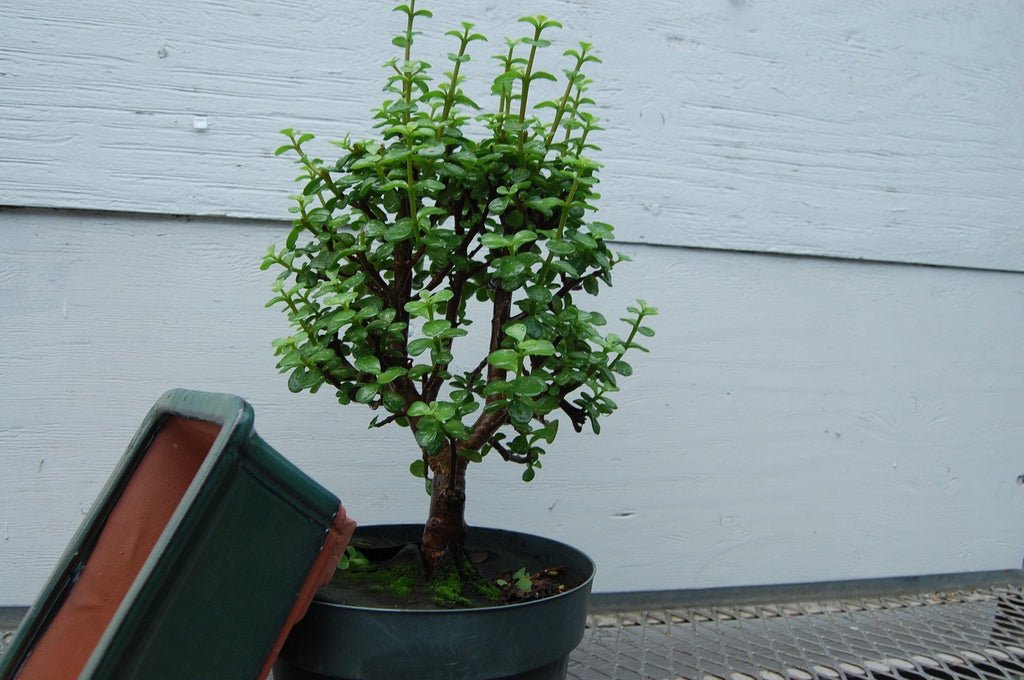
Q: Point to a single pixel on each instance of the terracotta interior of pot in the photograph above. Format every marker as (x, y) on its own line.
(151, 496)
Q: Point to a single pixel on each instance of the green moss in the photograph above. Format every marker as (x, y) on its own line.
(445, 588)
(455, 583)
(397, 579)
(400, 580)
(485, 589)
(454, 579)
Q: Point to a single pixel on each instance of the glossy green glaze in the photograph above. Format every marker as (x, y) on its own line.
(215, 591)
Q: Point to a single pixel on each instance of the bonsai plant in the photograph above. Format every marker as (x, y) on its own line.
(455, 214)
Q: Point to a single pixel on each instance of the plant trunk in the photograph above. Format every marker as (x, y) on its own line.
(445, 529)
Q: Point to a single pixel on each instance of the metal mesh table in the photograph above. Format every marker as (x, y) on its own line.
(977, 633)
(962, 629)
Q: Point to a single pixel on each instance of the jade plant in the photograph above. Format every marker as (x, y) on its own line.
(455, 214)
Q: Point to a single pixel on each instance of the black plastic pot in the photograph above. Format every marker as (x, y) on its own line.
(526, 641)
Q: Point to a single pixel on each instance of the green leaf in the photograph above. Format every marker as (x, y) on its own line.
(646, 331)
(418, 469)
(498, 205)
(293, 236)
(368, 364)
(601, 230)
(520, 412)
(395, 184)
(561, 247)
(338, 319)
(544, 205)
(429, 186)
(532, 347)
(429, 434)
(521, 238)
(390, 375)
(433, 151)
(523, 580)
(417, 308)
(471, 455)
(395, 403)
(548, 432)
(419, 346)
(398, 232)
(296, 379)
(529, 386)
(420, 370)
(565, 268)
(434, 328)
(418, 409)
(494, 241)
(496, 387)
(538, 293)
(517, 331)
(622, 368)
(319, 216)
(504, 358)
(366, 393)
(529, 474)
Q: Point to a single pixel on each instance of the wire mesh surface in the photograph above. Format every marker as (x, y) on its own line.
(972, 634)
(976, 634)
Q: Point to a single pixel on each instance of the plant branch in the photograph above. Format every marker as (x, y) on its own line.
(507, 455)
(526, 88)
(564, 101)
(577, 416)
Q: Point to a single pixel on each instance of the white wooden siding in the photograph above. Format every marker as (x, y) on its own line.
(798, 419)
(860, 129)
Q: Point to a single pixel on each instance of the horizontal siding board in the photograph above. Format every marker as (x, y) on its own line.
(880, 131)
(798, 419)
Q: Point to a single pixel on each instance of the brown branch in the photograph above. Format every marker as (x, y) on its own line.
(462, 250)
(453, 479)
(485, 427)
(433, 386)
(568, 286)
(335, 346)
(577, 416)
(508, 455)
(475, 373)
(390, 419)
(499, 317)
(377, 282)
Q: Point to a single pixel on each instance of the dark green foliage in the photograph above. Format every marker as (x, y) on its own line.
(396, 242)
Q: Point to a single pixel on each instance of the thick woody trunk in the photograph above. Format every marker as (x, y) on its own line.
(445, 529)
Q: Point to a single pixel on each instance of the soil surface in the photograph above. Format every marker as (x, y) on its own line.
(396, 579)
